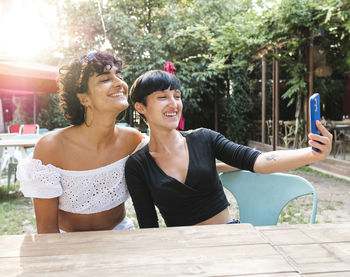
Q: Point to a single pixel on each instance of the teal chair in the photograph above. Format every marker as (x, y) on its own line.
(262, 197)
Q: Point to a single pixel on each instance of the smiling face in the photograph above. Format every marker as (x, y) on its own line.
(107, 91)
(162, 109)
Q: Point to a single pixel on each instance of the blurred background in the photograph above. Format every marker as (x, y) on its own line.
(229, 56)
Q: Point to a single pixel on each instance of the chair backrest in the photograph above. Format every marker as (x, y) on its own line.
(262, 197)
(14, 128)
(29, 129)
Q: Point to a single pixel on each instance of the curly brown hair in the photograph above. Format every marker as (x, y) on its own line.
(73, 79)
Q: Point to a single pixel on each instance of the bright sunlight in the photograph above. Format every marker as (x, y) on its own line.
(24, 28)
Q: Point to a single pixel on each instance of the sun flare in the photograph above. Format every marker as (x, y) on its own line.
(24, 28)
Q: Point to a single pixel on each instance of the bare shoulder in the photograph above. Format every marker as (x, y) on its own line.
(49, 148)
(130, 135)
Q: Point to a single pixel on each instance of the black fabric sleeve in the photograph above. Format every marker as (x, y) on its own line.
(240, 156)
(140, 194)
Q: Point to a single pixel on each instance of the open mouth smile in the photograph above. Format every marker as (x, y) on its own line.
(117, 93)
(172, 114)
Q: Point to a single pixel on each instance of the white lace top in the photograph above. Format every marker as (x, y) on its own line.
(83, 192)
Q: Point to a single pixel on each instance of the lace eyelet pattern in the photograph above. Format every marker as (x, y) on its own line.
(82, 192)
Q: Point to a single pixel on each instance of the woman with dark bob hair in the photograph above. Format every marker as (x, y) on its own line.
(76, 174)
(176, 170)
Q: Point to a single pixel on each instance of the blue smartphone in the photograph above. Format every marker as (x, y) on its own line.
(315, 114)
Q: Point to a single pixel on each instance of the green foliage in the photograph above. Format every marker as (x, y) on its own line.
(237, 117)
(50, 115)
(16, 212)
(80, 27)
(216, 47)
(296, 82)
(213, 44)
(316, 172)
(332, 96)
(238, 108)
(298, 211)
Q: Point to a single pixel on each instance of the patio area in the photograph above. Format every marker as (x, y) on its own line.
(334, 166)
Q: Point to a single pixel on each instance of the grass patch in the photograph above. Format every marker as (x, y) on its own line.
(319, 173)
(15, 212)
(298, 211)
(328, 205)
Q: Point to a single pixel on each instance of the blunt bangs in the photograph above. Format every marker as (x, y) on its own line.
(151, 81)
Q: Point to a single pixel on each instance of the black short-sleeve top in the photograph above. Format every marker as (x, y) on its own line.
(201, 196)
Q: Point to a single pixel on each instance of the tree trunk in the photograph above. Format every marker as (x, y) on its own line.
(216, 120)
(297, 120)
(149, 16)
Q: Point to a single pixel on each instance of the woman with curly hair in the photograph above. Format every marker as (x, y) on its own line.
(76, 174)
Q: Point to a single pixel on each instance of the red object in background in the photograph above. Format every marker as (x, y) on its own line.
(181, 124)
(14, 128)
(346, 105)
(18, 78)
(169, 67)
(25, 79)
(29, 129)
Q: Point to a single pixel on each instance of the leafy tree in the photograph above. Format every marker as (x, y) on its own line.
(214, 46)
(292, 26)
(50, 115)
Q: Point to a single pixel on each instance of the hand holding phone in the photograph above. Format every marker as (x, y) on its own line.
(314, 114)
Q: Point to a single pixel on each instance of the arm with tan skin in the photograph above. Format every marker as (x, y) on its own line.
(282, 160)
(46, 210)
(222, 167)
(46, 215)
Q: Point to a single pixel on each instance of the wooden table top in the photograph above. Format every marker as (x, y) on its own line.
(216, 250)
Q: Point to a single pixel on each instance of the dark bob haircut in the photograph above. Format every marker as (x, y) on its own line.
(73, 79)
(151, 81)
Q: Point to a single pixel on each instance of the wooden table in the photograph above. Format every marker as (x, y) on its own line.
(217, 250)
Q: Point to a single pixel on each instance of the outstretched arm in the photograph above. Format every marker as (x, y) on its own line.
(222, 167)
(282, 160)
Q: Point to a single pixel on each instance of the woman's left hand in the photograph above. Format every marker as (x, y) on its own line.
(323, 143)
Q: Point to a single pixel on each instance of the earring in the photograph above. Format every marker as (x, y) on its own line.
(85, 117)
